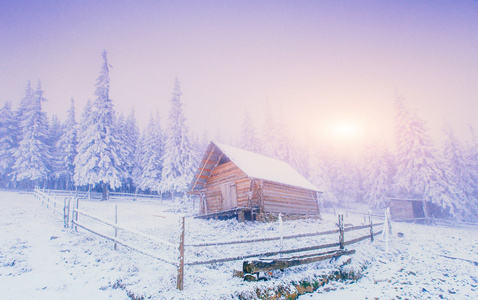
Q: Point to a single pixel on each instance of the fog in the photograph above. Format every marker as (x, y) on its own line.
(318, 64)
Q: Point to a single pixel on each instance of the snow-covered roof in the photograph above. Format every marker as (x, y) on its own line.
(263, 167)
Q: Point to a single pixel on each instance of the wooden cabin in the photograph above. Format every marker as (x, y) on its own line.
(235, 182)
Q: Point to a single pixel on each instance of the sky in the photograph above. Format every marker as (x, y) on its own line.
(331, 68)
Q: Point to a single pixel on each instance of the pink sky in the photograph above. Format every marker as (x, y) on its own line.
(317, 62)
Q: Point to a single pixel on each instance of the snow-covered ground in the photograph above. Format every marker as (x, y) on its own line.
(39, 259)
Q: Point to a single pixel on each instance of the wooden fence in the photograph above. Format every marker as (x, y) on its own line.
(51, 201)
(96, 195)
(67, 211)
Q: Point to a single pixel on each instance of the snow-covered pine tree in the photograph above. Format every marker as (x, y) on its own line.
(55, 131)
(32, 157)
(7, 143)
(178, 159)
(121, 134)
(344, 179)
(67, 145)
(20, 114)
(249, 140)
(319, 177)
(152, 152)
(287, 151)
(419, 175)
(270, 142)
(377, 174)
(131, 161)
(98, 162)
(459, 173)
(472, 160)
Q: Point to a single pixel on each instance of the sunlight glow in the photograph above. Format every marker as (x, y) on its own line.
(346, 130)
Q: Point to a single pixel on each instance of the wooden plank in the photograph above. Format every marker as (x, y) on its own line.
(262, 266)
(195, 263)
(204, 166)
(268, 239)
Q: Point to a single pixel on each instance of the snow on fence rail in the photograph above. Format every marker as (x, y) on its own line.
(96, 195)
(53, 203)
(181, 263)
(119, 241)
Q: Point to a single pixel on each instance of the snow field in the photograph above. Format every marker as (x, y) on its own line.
(41, 260)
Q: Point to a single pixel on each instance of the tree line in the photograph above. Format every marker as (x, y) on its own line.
(446, 175)
(102, 151)
(106, 151)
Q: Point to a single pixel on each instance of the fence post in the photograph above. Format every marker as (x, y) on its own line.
(341, 231)
(389, 216)
(116, 223)
(76, 213)
(68, 213)
(65, 218)
(371, 225)
(281, 233)
(180, 280)
(54, 203)
(386, 228)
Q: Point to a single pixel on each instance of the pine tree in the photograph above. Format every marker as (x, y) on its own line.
(55, 131)
(344, 179)
(98, 161)
(471, 154)
(270, 143)
(319, 177)
(131, 161)
(7, 143)
(120, 130)
(419, 175)
(249, 139)
(287, 150)
(67, 145)
(153, 150)
(377, 176)
(459, 173)
(21, 113)
(178, 159)
(32, 157)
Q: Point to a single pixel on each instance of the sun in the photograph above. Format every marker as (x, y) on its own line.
(346, 129)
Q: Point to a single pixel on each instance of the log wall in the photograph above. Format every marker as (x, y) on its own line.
(271, 197)
(222, 174)
(280, 198)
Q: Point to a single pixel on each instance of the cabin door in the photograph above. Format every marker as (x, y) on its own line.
(229, 197)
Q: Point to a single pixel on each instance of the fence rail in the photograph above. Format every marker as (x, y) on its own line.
(46, 197)
(97, 195)
(264, 239)
(116, 226)
(126, 244)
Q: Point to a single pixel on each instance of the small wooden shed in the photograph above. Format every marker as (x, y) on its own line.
(409, 209)
(232, 181)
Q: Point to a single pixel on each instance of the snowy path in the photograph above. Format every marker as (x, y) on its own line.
(32, 264)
